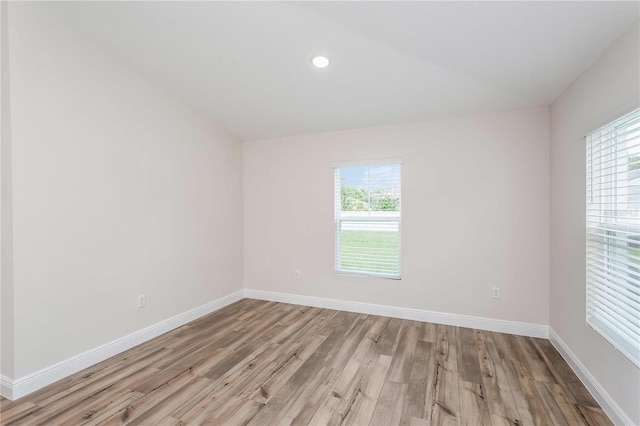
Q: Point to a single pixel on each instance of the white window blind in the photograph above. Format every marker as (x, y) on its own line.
(367, 220)
(613, 233)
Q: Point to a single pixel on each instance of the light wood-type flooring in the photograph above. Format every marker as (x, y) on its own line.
(267, 363)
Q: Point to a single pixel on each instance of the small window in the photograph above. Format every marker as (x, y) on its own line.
(367, 220)
(613, 233)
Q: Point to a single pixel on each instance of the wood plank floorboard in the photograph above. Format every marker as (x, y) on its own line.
(268, 363)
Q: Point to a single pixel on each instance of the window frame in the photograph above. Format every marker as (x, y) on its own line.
(339, 219)
(606, 277)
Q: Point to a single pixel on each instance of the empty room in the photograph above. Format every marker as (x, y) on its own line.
(320, 213)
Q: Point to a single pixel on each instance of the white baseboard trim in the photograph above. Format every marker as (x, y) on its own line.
(607, 403)
(501, 326)
(14, 389)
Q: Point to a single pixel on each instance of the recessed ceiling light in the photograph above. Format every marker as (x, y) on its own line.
(320, 61)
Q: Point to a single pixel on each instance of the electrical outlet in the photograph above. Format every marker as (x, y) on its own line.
(296, 274)
(496, 293)
(142, 301)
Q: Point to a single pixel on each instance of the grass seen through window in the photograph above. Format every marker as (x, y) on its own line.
(370, 250)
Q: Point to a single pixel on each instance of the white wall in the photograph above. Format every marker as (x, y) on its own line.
(6, 227)
(604, 92)
(118, 190)
(475, 214)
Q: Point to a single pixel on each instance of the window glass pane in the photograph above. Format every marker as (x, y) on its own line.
(370, 247)
(370, 188)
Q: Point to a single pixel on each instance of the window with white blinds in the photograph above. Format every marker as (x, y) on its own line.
(367, 220)
(613, 233)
